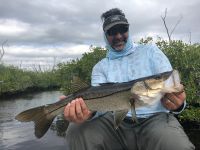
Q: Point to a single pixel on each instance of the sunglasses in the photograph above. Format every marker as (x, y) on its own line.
(117, 29)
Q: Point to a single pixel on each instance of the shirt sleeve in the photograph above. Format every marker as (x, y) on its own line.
(159, 61)
(179, 110)
(98, 74)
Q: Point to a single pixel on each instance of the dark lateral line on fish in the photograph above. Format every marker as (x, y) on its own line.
(133, 81)
(88, 99)
(108, 94)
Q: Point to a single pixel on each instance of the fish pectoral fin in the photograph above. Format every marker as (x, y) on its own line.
(134, 97)
(133, 112)
(118, 117)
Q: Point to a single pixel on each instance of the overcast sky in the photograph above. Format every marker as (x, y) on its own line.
(46, 31)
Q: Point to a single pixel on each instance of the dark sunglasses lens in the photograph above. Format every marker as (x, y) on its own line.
(124, 30)
(114, 31)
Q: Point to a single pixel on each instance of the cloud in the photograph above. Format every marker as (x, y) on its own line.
(33, 57)
(60, 28)
(71, 51)
(12, 27)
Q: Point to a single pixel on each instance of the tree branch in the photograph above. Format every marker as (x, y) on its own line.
(164, 21)
(2, 51)
(176, 25)
(165, 24)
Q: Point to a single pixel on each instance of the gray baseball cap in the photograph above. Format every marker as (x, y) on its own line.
(114, 20)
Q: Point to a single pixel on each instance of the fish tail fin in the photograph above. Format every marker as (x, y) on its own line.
(41, 118)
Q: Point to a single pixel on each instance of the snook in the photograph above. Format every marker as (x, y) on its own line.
(116, 97)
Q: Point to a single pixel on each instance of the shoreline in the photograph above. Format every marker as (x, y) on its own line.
(30, 90)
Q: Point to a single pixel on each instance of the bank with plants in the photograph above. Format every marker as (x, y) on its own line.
(14, 81)
(183, 56)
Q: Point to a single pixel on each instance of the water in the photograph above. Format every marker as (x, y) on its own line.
(15, 135)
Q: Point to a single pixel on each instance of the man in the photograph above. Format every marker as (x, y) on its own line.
(157, 128)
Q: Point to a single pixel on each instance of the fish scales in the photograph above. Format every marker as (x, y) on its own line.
(117, 97)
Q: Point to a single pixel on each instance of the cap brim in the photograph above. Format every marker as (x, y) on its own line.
(113, 24)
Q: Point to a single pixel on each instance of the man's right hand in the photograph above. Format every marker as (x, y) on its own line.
(76, 111)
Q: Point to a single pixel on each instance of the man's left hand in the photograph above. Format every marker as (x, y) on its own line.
(173, 101)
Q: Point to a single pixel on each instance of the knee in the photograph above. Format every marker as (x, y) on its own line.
(83, 136)
(74, 130)
(175, 142)
(179, 146)
(82, 131)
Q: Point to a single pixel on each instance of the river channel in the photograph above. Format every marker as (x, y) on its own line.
(15, 135)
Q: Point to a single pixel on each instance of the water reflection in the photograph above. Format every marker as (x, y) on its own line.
(17, 135)
(60, 126)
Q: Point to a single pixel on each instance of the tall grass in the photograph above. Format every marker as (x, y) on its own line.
(14, 80)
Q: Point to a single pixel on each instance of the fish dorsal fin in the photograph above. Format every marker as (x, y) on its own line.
(109, 83)
(118, 117)
(77, 84)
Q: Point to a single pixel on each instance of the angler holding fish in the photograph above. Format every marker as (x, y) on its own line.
(131, 102)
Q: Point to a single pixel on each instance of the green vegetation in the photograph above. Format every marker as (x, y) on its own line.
(191, 113)
(81, 68)
(184, 57)
(15, 80)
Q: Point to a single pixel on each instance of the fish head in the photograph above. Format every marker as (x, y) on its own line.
(173, 83)
(150, 84)
(147, 91)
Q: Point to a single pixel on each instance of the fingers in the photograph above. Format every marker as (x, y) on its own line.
(168, 104)
(66, 112)
(62, 97)
(173, 101)
(84, 107)
(77, 111)
(72, 113)
(181, 95)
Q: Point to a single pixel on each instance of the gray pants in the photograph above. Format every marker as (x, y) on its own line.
(159, 132)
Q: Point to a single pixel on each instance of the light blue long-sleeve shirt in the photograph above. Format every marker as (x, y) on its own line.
(144, 60)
